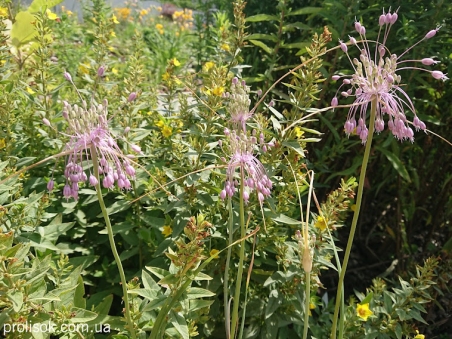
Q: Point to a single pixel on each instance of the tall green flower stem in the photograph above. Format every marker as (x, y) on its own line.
(359, 196)
(227, 319)
(111, 238)
(307, 260)
(238, 282)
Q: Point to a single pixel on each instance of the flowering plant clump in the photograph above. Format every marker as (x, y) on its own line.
(90, 137)
(375, 77)
(242, 147)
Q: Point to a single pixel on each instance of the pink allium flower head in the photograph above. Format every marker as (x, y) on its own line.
(89, 132)
(241, 149)
(375, 77)
(67, 76)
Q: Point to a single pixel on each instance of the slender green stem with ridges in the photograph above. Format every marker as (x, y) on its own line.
(359, 196)
(227, 311)
(111, 238)
(238, 282)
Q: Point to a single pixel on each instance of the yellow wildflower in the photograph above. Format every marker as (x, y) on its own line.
(225, 47)
(114, 71)
(51, 15)
(3, 11)
(419, 336)
(113, 34)
(167, 131)
(84, 68)
(363, 311)
(218, 91)
(123, 13)
(214, 253)
(69, 13)
(30, 91)
(111, 48)
(2, 143)
(209, 65)
(159, 26)
(298, 132)
(176, 62)
(321, 223)
(166, 76)
(159, 8)
(143, 12)
(114, 19)
(167, 231)
(159, 123)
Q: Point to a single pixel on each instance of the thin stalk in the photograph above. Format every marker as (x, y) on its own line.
(359, 197)
(227, 319)
(307, 304)
(111, 238)
(238, 282)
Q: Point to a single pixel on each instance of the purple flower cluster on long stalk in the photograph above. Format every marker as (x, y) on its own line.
(242, 147)
(375, 75)
(89, 132)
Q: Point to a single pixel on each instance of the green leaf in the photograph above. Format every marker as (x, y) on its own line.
(398, 331)
(305, 10)
(396, 163)
(40, 5)
(23, 31)
(17, 298)
(197, 292)
(295, 145)
(148, 282)
(368, 298)
(104, 306)
(168, 280)
(79, 300)
(262, 17)
(286, 220)
(179, 323)
(117, 206)
(260, 44)
(262, 37)
(82, 315)
(199, 304)
(274, 301)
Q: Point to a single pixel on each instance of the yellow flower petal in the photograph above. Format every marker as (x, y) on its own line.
(3, 11)
(167, 131)
(363, 311)
(321, 223)
(51, 15)
(176, 62)
(218, 91)
(30, 91)
(167, 231)
(419, 336)
(114, 19)
(214, 253)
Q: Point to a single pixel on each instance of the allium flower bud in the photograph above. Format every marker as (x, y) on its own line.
(50, 185)
(336, 77)
(136, 148)
(67, 76)
(334, 102)
(439, 75)
(46, 122)
(271, 103)
(132, 97)
(235, 80)
(101, 71)
(93, 180)
(259, 92)
(432, 33)
(126, 130)
(429, 61)
(343, 47)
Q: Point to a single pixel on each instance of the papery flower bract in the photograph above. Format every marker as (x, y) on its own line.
(375, 78)
(89, 132)
(363, 311)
